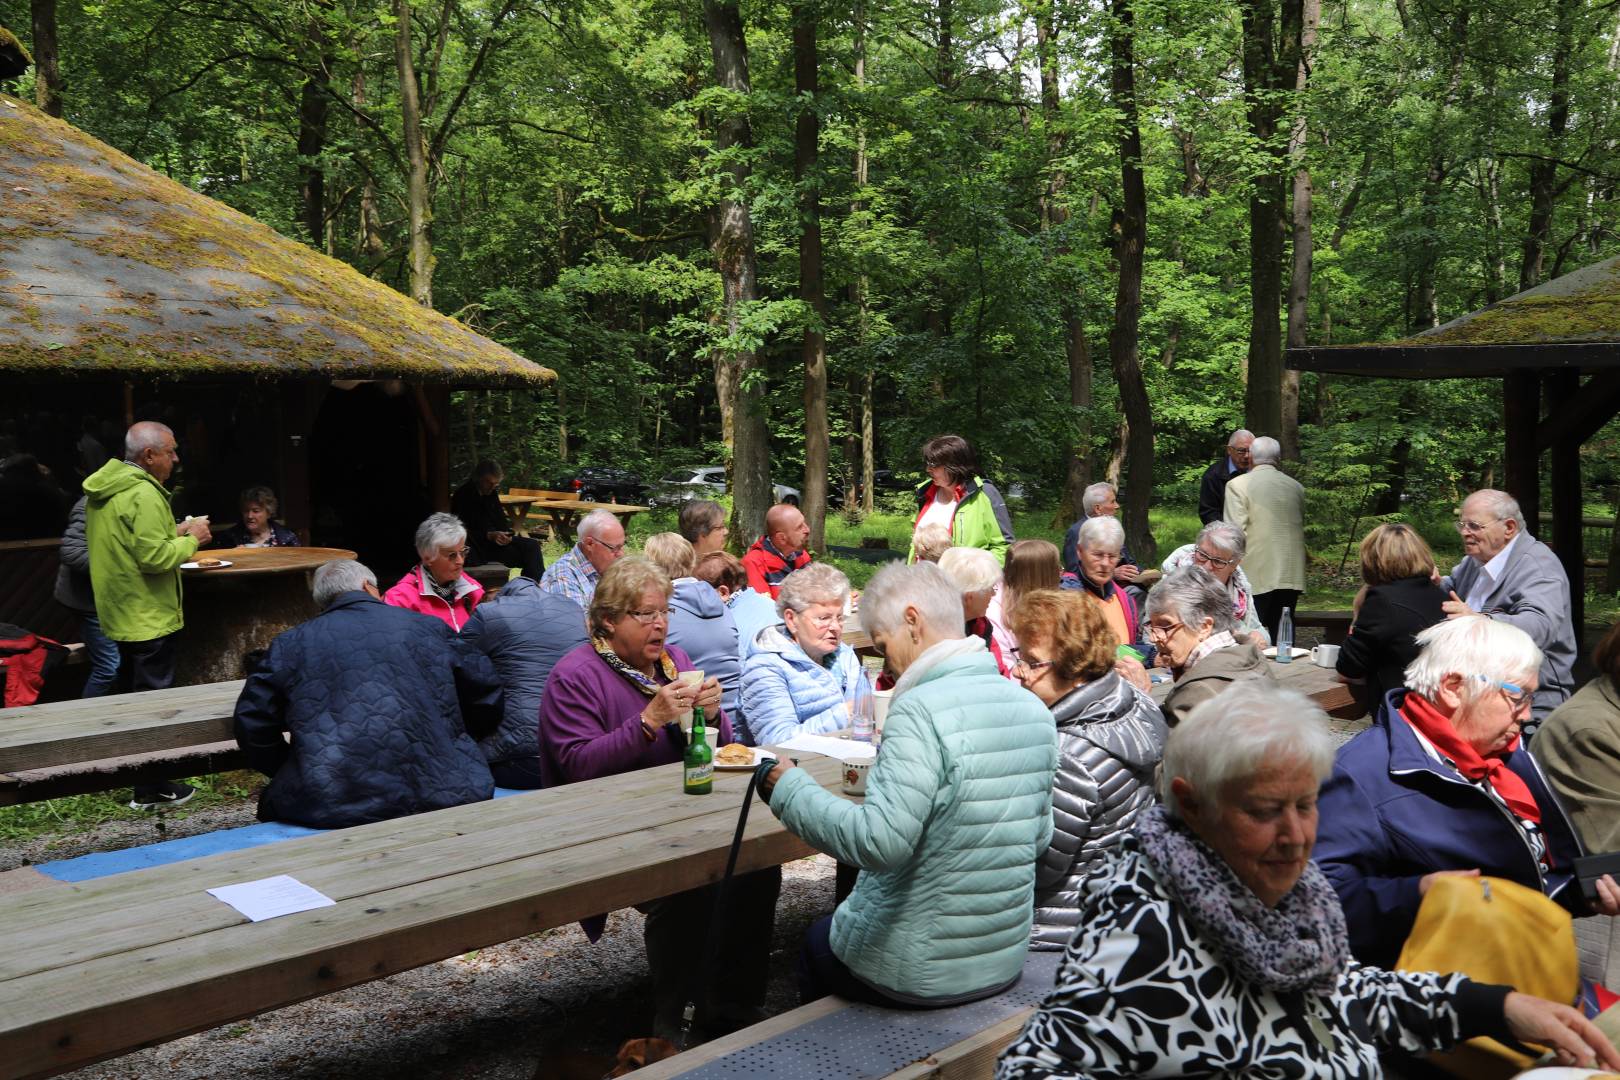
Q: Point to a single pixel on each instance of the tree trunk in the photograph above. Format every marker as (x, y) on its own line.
(368, 238)
(1544, 187)
(1130, 241)
(868, 458)
(862, 318)
(418, 198)
(313, 103)
(47, 72)
(813, 350)
(1299, 282)
(731, 232)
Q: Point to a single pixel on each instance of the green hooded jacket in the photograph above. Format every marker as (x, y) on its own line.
(981, 518)
(135, 555)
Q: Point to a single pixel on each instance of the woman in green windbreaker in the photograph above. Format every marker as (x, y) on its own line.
(956, 497)
(958, 810)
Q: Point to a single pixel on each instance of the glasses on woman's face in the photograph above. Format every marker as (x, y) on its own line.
(820, 622)
(1030, 667)
(1517, 696)
(1199, 555)
(648, 616)
(455, 555)
(1163, 631)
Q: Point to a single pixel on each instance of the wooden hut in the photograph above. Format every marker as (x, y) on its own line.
(125, 295)
(1556, 348)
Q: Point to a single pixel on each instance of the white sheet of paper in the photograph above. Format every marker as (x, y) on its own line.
(837, 749)
(272, 896)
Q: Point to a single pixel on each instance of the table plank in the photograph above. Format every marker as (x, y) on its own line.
(117, 725)
(267, 560)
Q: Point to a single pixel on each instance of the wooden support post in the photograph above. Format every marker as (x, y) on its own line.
(1563, 387)
(433, 402)
(1521, 412)
(295, 423)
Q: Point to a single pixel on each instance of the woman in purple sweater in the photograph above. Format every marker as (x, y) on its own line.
(613, 705)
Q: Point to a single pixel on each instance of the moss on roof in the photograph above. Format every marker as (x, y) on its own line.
(1581, 307)
(106, 265)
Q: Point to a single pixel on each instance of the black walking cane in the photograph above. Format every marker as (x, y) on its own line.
(722, 894)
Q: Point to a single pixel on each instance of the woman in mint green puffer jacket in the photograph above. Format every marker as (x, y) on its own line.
(958, 809)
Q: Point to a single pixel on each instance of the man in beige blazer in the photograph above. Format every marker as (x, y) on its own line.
(1269, 506)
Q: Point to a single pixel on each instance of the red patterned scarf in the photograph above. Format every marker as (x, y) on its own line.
(1437, 728)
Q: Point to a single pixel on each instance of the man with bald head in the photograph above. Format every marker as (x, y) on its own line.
(1235, 462)
(135, 551)
(780, 551)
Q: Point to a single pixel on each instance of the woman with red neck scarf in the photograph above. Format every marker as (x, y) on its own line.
(955, 497)
(1440, 784)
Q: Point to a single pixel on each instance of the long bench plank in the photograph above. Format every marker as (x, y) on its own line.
(78, 1012)
(117, 725)
(105, 774)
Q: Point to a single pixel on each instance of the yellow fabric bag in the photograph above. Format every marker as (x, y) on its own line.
(1493, 931)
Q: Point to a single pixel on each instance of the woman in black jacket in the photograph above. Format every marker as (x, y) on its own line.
(1400, 599)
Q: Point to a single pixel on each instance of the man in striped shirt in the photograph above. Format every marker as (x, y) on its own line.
(601, 544)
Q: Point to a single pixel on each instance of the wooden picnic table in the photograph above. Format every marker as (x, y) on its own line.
(1320, 684)
(102, 967)
(516, 507)
(565, 513)
(234, 609)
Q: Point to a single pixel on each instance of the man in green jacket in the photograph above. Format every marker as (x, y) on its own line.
(135, 554)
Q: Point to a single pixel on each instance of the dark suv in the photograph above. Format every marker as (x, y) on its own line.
(603, 483)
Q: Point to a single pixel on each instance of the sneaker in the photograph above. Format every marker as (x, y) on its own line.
(166, 794)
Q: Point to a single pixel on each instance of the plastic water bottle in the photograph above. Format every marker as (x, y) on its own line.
(1285, 637)
(862, 715)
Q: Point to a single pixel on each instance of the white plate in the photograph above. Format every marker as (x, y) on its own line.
(760, 754)
(223, 563)
(1270, 652)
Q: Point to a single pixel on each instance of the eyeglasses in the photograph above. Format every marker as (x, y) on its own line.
(650, 615)
(1163, 633)
(614, 548)
(1202, 556)
(1031, 666)
(1517, 696)
(460, 554)
(1466, 526)
(820, 622)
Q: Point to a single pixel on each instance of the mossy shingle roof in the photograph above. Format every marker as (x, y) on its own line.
(1572, 321)
(108, 266)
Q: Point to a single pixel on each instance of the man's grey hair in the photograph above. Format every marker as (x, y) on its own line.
(1224, 536)
(144, 436)
(1478, 648)
(1095, 495)
(1502, 506)
(1101, 534)
(593, 524)
(1192, 594)
(1230, 738)
(1240, 433)
(1265, 451)
(439, 531)
(337, 577)
(972, 569)
(817, 583)
(920, 585)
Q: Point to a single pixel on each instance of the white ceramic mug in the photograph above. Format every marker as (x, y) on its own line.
(855, 776)
(1325, 656)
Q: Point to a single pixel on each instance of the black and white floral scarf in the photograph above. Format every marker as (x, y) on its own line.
(1301, 944)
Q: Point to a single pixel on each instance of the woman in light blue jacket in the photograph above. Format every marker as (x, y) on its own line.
(958, 810)
(800, 677)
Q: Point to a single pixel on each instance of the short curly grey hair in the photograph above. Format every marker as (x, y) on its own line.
(1105, 533)
(818, 583)
(1226, 537)
(1230, 738)
(333, 579)
(1192, 594)
(439, 531)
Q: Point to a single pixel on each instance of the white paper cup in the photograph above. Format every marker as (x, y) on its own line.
(855, 776)
(880, 708)
(690, 678)
(1325, 656)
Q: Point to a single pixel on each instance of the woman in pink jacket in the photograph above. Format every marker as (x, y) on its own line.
(436, 586)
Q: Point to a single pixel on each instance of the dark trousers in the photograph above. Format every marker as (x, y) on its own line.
(1269, 606)
(523, 552)
(730, 985)
(522, 774)
(146, 665)
(104, 657)
(822, 973)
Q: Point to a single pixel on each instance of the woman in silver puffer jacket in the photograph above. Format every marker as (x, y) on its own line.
(1110, 739)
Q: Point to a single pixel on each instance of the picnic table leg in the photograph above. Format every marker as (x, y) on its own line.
(564, 520)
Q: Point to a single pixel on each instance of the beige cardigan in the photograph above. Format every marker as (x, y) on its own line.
(1269, 506)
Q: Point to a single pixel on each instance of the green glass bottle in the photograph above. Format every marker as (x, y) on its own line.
(699, 777)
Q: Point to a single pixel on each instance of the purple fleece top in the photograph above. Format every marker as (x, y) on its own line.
(590, 721)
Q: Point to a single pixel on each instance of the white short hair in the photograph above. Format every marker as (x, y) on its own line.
(971, 569)
(921, 585)
(1232, 736)
(438, 532)
(1105, 533)
(592, 524)
(333, 579)
(1265, 451)
(1095, 495)
(143, 436)
(1192, 594)
(1240, 433)
(1472, 646)
(1226, 536)
(1502, 506)
(817, 583)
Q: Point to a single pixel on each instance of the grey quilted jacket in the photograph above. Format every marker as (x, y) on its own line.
(1110, 740)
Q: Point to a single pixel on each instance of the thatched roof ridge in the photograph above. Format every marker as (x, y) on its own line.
(1572, 321)
(108, 266)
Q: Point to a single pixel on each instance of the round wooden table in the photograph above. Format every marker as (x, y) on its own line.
(235, 609)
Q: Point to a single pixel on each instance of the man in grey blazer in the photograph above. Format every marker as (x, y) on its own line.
(1511, 576)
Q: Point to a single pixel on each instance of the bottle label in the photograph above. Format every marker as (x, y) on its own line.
(699, 774)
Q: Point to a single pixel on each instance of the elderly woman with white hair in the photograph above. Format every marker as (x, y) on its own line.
(1099, 544)
(1189, 618)
(977, 574)
(437, 586)
(958, 810)
(1440, 785)
(800, 676)
(1211, 945)
(1220, 548)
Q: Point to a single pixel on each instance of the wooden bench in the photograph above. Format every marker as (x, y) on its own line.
(537, 519)
(94, 744)
(106, 966)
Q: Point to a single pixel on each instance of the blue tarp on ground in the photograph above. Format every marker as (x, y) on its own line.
(104, 863)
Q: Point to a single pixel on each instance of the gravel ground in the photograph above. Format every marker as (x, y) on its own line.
(550, 1005)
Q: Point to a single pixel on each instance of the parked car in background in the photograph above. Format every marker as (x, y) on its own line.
(884, 482)
(705, 482)
(603, 483)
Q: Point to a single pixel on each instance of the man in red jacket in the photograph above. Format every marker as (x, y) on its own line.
(779, 552)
